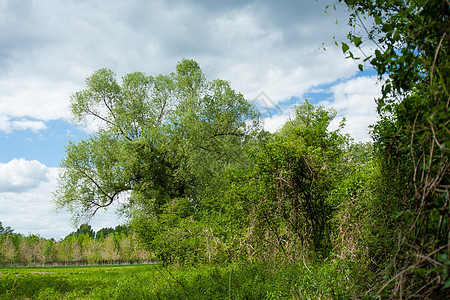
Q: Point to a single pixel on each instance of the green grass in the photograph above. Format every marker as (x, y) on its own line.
(99, 282)
(239, 281)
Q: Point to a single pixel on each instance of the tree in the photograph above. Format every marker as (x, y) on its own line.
(64, 251)
(104, 232)
(125, 229)
(285, 191)
(311, 167)
(49, 251)
(82, 230)
(412, 60)
(160, 140)
(10, 245)
(125, 247)
(31, 249)
(109, 251)
(5, 230)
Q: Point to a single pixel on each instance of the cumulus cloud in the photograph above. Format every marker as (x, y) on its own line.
(275, 48)
(355, 99)
(20, 175)
(275, 122)
(8, 125)
(24, 124)
(49, 47)
(31, 210)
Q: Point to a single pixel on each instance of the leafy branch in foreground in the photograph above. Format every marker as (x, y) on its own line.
(412, 60)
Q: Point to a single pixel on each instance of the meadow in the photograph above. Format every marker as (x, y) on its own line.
(88, 282)
(243, 281)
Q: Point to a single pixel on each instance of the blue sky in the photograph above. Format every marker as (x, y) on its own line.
(271, 51)
(45, 145)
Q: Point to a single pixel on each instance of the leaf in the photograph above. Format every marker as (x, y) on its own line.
(345, 47)
(357, 41)
(446, 285)
(360, 67)
(396, 36)
(443, 258)
(377, 20)
(397, 215)
(387, 88)
(420, 272)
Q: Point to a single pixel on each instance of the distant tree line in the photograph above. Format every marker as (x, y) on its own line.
(82, 247)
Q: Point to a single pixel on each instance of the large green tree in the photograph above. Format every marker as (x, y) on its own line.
(158, 138)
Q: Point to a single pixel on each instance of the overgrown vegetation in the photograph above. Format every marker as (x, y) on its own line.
(234, 281)
(412, 60)
(303, 212)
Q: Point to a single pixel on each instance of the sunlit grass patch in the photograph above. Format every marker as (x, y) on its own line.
(235, 281)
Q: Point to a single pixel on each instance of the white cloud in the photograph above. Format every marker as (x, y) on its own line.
(31, 210)
(274, 123)
(355, 100)
(25, 124)
(20, 175)
(49, 47)
(8, 125)
(35, 97)
(4, 123)
(282, 58)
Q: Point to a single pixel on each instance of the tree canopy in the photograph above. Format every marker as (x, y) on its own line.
(5, 230)
(158, 138)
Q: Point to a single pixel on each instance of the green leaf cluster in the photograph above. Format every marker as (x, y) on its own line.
(412, 61)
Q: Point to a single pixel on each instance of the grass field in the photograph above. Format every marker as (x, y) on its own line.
(99, 282)
(128, 282)
(243, 281)
(92, 282)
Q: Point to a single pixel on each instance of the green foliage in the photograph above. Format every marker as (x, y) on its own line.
(160, 138)
(204, 187)
(5, 230)
(236, 281)
(412, 60)
(104, 232)
(285, 191)
(180, 236)
(83, 229)
(364, 222)
(74, 249)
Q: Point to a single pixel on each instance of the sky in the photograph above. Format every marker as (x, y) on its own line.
(276, 53)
